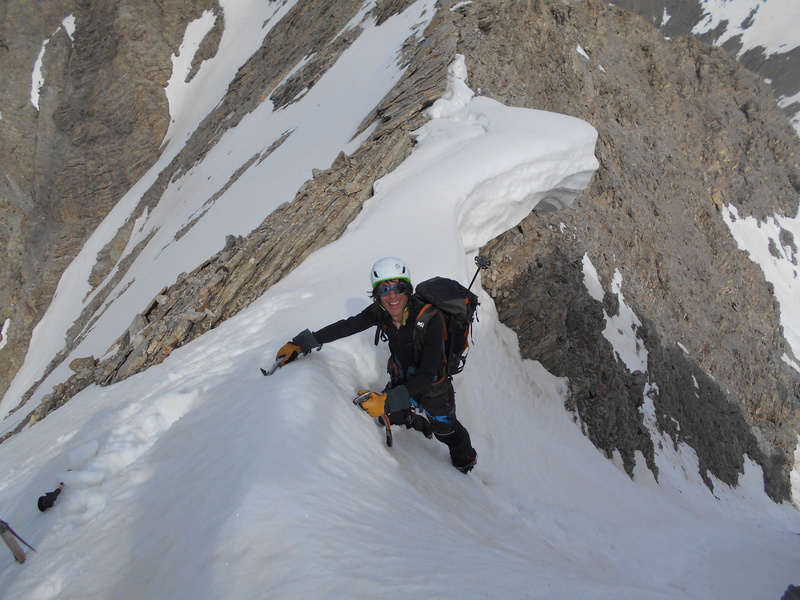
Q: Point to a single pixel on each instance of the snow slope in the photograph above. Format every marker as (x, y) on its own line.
(771, 25)
(202, 479)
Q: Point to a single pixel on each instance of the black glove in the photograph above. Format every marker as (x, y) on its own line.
(306, 341)
(397, 399)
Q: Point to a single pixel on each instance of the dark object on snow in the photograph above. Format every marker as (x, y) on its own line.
(49, 498)
(10, 537)
(791, 593)
(468, 465)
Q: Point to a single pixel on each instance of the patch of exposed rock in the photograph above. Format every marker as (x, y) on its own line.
(102, 115)
(682, 130)
(228, 282)
(679, 17)
(308, 29)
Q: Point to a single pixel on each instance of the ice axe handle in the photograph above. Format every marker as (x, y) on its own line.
(275, 366)
(389, 439)
(482, 261)
(358, 400)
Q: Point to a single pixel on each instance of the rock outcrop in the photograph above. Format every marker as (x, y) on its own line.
(680, 17)
(682, 129)
(224, 284)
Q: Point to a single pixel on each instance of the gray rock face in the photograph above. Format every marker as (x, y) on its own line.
(102, 114)
(683, 129)
(228, 282)
(782, 70)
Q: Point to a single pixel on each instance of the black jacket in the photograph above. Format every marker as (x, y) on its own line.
(417, 375)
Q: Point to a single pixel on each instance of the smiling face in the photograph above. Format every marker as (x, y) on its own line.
(394, 303)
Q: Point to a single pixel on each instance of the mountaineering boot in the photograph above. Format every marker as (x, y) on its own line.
(467, 466)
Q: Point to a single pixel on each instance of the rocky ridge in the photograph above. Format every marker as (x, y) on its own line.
(679, 17)
(322, 208)
(682, 130)
(101, 117)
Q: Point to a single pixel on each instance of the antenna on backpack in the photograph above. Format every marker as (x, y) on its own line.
(483, 262)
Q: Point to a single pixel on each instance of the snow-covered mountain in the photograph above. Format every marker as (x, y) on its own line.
(201, 478)
(761, 33)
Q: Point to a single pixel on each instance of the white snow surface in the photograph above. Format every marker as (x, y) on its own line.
(769, 24)
(4, 333)
(202, 479)
(37, 78)
(621, 329)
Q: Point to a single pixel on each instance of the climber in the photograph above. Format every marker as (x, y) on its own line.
(420, 392)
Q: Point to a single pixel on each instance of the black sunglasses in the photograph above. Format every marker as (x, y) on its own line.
(398, 288)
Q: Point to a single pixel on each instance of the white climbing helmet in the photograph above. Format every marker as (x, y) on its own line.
(389, 268)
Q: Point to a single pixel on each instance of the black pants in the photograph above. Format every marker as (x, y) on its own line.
(441, 412)
(456, 437)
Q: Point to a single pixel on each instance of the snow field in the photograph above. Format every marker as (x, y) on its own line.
(202, 479)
